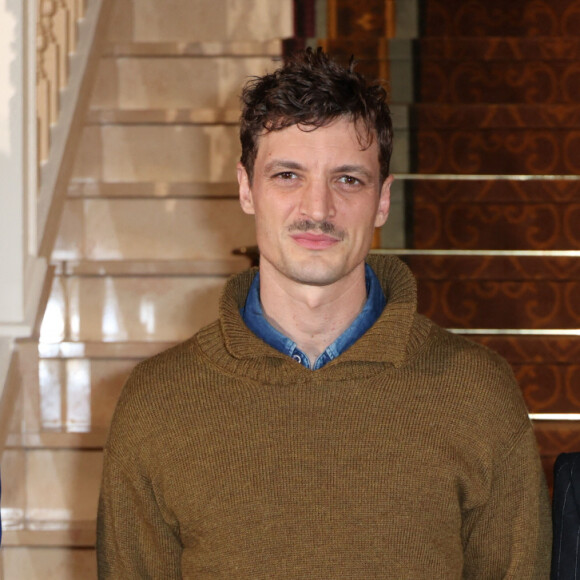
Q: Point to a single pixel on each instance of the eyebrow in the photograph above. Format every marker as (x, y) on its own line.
(282, 164)
(359, 169)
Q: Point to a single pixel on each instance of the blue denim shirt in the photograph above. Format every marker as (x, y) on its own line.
(253, 316)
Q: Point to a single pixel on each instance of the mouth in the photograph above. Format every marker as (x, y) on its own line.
(314, 241)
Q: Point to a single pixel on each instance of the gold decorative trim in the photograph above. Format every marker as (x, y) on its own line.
(507, 253)
(554, 416)
(482, 177)
(518, 331)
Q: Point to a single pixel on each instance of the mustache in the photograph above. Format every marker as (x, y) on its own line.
(323, 227)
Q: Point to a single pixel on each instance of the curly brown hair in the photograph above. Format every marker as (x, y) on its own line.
(311, 90)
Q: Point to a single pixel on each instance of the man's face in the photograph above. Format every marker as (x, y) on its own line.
(316, 198)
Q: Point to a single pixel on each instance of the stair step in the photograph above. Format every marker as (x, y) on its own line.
(61, 489)
(158, 153)
(58, 534)
(212, 48)
(175, 82)
(113, 229)
(39, 563)
(93, 440)
(130, 308)
(224, 267)
(157, 190)
(176, 20)
(102, 350)
(163, 117)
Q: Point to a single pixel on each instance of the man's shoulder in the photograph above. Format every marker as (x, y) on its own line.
(167, 373)
(175, 360)
(473, 355)
(156, 389)
(481, 380)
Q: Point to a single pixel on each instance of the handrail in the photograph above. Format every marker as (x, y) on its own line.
(67, 82)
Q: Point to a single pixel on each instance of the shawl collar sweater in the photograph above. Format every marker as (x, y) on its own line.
(409, 456)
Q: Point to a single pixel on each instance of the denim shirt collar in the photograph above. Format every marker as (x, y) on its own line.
(253, 316)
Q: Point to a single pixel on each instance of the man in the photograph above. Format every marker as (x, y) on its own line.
(321, 428)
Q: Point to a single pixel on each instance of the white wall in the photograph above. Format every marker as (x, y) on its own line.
(21, 272)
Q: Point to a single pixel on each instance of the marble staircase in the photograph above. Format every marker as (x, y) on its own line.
(143, 250)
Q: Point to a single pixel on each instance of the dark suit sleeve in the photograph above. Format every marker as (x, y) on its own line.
(566, 517)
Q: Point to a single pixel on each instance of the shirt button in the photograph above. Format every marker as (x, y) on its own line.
(297, 358)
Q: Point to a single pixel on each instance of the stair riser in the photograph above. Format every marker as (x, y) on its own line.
(79, 395)
(149, 229)
(174, 83)
(62, 485)
(158, 153)
(126, 309)
(154, 21)
(49, 564)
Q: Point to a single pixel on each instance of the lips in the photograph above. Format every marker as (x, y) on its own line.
(314, 241)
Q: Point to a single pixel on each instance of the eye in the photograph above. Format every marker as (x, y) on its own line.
(285, 175)
(349, 180)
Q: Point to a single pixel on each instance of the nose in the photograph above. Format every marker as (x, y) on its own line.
(317, 201)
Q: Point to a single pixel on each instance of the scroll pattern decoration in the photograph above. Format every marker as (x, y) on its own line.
(498, 18)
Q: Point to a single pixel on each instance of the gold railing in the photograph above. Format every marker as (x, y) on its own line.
(56, 36)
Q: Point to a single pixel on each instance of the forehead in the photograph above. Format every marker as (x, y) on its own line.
(341, 140)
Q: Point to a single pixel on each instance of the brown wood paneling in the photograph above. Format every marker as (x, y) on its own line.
(363, 18)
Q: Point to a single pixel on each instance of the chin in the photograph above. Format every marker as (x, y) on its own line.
(314, 274)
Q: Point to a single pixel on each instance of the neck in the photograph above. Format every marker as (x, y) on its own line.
(311, 316)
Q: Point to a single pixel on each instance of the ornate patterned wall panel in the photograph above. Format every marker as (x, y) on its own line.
(501, 18)
(537, 81)
(481, 49)
(546, 367)
(497, 226)
(499, 152)
(498, 304)
(496, 191)
(503, 268)
(522, 349)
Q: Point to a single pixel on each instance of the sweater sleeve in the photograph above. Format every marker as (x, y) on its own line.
(510, 536)
(133, 539)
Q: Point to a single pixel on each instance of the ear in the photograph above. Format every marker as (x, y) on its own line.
(245, 190)
(384, 202)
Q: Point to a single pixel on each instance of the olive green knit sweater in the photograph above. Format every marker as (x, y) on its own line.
(409, 456)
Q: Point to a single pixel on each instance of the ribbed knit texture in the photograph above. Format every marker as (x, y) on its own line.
(410, 456)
